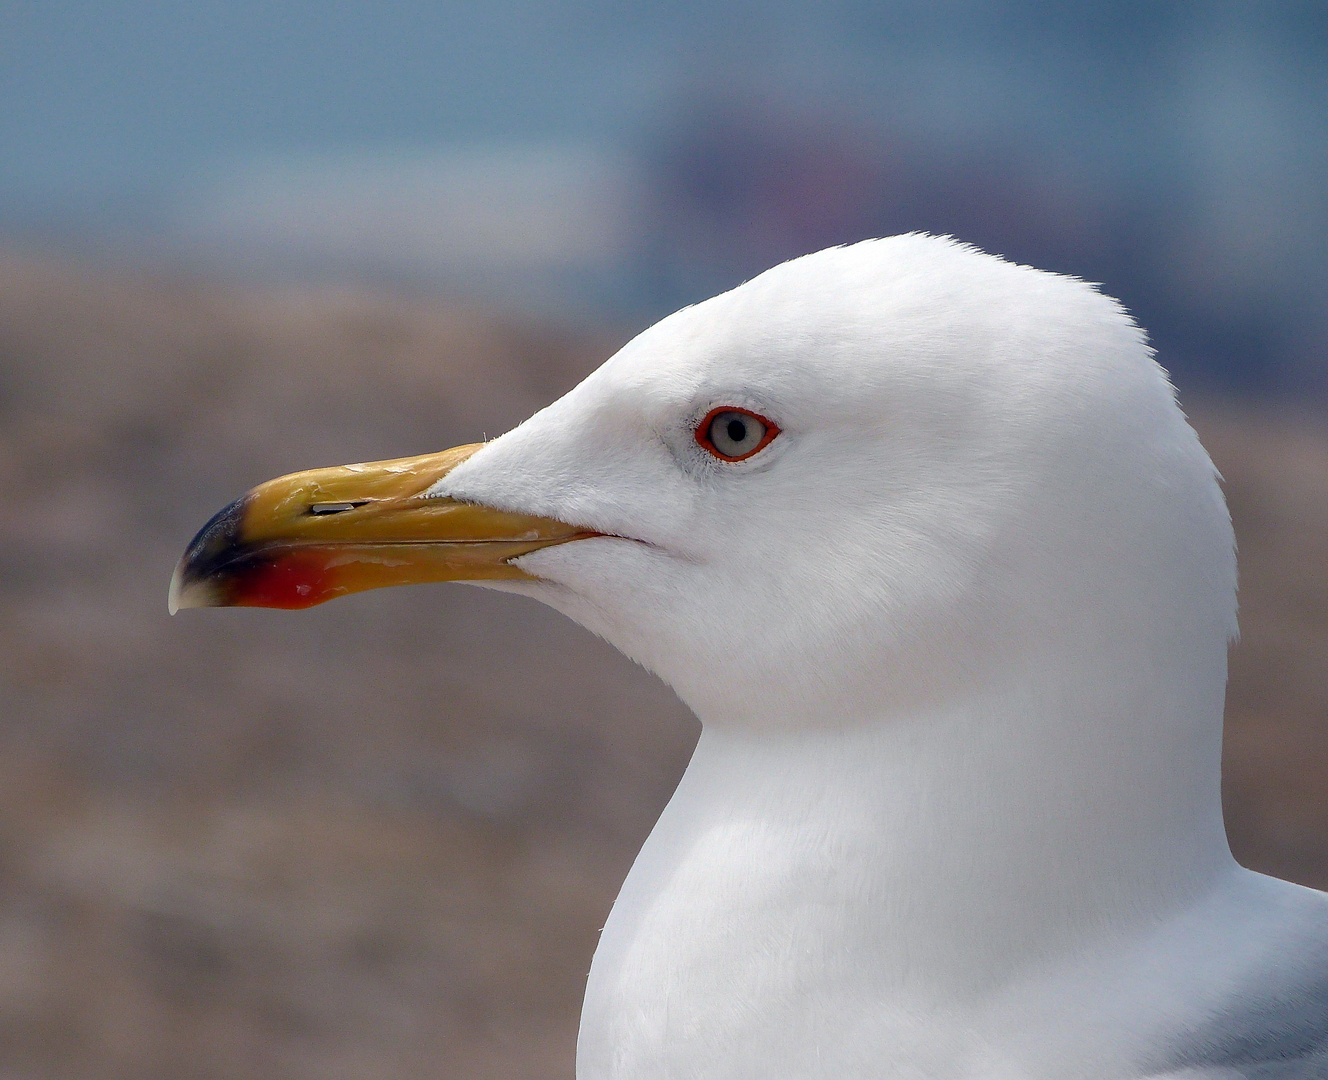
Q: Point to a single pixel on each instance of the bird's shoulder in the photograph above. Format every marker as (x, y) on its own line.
(1269, 1022)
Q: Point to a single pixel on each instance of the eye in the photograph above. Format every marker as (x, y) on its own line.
(734, 434)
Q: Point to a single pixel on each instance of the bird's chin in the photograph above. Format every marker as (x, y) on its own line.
(535, 588)
(562, 583)
(605, 585)
(602, 557)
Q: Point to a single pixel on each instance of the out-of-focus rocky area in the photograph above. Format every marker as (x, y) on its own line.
(377, 839)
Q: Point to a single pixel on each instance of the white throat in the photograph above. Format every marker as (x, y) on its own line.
(914, 861)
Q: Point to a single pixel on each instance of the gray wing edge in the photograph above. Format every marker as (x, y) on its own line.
(1261, 1036)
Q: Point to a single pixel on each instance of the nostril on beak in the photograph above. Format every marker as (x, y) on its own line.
(323, 509)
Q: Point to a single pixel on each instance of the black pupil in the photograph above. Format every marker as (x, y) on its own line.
(737, 430)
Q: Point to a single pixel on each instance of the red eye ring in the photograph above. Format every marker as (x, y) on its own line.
(703, 432)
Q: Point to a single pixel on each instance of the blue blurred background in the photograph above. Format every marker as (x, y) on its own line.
(619, 159)
(377, 839)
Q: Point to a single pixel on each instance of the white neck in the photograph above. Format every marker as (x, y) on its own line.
(917, 859)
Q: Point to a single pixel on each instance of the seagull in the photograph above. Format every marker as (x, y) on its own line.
(925, 541)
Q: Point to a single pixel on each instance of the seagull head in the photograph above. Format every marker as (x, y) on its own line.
(876, 476)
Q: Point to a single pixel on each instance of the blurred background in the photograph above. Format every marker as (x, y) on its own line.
(377, 839)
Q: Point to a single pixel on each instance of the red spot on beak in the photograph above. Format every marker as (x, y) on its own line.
(291, 580)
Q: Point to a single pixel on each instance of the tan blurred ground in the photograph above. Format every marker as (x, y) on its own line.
(377, 839)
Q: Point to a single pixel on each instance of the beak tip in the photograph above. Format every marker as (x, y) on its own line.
(186, 593)
(191, 583)
(173, 593)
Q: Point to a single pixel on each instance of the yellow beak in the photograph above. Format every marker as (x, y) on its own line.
(312, 536)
